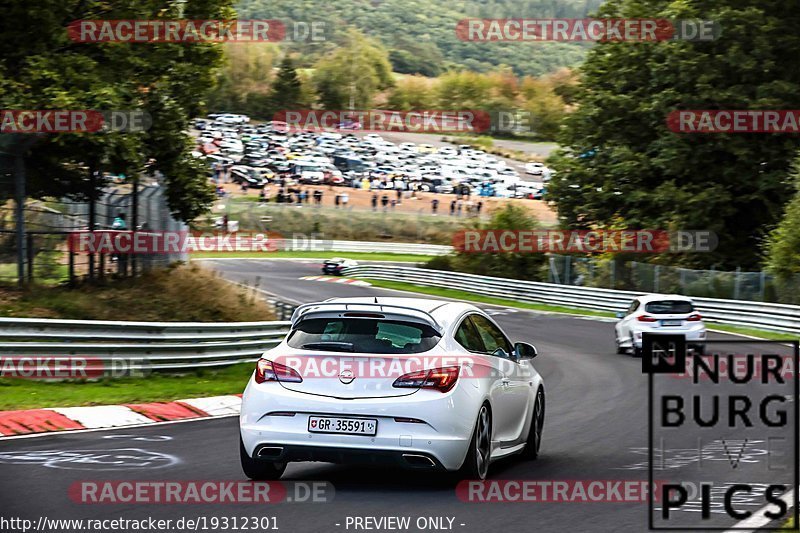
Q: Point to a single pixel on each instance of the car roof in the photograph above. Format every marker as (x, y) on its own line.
(658, 297)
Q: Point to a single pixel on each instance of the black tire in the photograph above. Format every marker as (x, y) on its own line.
(534, 443)
(637, 352)
(258, 469)
(620, 349)
(699, 349)
(476, 464)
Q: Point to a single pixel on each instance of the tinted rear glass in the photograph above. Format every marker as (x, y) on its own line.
(669, 307)
(366, 335)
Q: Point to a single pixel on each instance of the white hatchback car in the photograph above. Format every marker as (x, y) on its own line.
(415, 383)
(659, 313)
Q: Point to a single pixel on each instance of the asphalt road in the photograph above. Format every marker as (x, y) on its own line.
(596, 429)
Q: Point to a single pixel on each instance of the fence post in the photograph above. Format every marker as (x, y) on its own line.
(19, 204)
(71, 267)
(30, 252)
(656, 273)
(102, 272)
(567, 269)
(736, 283)
(614, 273)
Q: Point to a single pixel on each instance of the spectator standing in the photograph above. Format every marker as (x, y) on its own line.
(374, 201)
(385, 201)
(478, 208)
(345, 199)
(452, 208)
(434, 205)
(337, 200)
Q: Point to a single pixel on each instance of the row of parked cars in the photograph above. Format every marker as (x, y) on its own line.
(256, 154)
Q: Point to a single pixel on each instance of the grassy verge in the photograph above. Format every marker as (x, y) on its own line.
(473, 297)
(177, 294)
(28, 394)
(358, 256)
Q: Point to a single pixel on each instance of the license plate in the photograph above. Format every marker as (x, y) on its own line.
(672, 322)
(348, 426)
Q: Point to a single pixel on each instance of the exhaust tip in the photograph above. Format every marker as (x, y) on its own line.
(270, 451)
(417, 460)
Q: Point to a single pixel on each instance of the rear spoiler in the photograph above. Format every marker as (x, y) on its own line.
(332, 307)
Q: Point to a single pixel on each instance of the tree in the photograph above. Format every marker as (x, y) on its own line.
(622, 161)
(783, 245)
(501, 264)
(349, 77)
(287, 90)
(169, 81)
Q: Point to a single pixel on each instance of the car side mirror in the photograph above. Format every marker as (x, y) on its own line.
(620, 314)
(523, 350)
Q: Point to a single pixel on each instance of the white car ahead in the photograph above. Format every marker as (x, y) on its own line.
(415, 383)
(659, 313)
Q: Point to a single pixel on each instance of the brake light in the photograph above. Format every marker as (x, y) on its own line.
(645, 318)
(268, 371)
(441, 379)
(695, 317)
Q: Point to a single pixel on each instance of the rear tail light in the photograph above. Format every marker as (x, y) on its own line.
(695, 317)
(441, 379)
(268, 371)
(645, 318)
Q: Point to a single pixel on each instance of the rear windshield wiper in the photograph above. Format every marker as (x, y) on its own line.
(330, 346)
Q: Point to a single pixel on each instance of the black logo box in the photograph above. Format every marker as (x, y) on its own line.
(677, 364)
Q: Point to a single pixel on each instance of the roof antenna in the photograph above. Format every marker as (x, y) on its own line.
(376, 299)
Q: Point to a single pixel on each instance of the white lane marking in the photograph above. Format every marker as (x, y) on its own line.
(102, 416)
(758, 519)
(216, 405)
(95, 460)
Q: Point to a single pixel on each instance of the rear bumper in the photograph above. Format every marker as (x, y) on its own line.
(354, 456)
(692, 335)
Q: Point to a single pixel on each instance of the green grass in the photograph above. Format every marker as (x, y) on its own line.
(29, 394)
(474, 297)
(310, 254)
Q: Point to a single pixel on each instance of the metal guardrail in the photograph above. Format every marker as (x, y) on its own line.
(365, 246)
(767, 316)
(144, 345)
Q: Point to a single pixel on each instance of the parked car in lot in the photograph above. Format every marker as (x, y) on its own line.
(422, 384)
(534, 169)
(250, 177)
(659, 313)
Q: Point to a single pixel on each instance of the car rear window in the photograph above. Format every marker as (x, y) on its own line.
(669, 307)
(367, 335)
